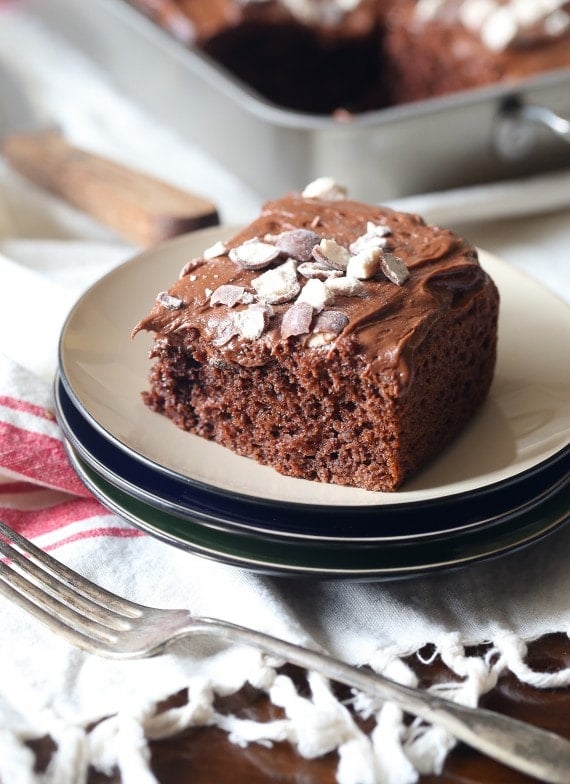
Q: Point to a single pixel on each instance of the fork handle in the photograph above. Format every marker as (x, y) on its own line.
(526, 748)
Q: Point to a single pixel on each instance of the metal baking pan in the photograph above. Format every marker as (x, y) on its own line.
(481, 135)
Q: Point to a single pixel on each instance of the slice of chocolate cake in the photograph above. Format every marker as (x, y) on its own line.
(332, 340)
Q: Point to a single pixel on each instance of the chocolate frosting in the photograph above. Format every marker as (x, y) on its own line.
(198, 22)
(385, 322)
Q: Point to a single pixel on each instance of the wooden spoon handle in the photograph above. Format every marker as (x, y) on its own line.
(139, 207)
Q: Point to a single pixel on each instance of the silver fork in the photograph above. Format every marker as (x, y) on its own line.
(102, 623)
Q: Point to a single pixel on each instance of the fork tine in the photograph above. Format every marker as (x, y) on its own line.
(70, 578)
(44, 580)
(58, 616)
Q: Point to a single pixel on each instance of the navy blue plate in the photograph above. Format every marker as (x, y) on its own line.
(356, 562)
(434, 519)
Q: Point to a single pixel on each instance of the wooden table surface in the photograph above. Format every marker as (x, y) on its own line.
(204, 755)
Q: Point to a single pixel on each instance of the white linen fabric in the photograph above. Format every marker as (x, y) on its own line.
(49, 254)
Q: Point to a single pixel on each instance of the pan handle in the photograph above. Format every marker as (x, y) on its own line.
(517, 126)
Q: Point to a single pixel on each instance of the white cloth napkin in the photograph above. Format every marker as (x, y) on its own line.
(48, 255)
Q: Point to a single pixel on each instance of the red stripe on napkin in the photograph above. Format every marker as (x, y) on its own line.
(35, 462)
(13, 488)
(29, 408)
(35, 522)
(39, 458)
(91, 533)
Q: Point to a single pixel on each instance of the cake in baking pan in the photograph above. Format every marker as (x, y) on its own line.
(322, 56)
(434, 47)
(332, 340)
(300, 54)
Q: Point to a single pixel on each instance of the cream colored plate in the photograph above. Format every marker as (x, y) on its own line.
(525, 421)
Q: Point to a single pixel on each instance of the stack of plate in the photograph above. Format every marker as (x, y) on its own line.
(503, 484)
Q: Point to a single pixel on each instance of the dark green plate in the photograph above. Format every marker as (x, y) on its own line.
(363, 561)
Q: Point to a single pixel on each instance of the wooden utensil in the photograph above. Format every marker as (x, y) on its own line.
(139, 207)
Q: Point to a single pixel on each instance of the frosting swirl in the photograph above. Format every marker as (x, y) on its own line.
(377, 318)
